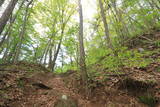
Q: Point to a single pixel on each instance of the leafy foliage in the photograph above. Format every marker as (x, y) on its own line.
(52, 21)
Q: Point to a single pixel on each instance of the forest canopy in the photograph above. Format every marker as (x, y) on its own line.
(47, 31)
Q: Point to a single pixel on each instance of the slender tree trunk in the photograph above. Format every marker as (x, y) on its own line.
(122, 27)
(50, 57)
(62, 60)
(118, 60)
(12, 20)
(46, 54)
(77, 55)
(105, 25)
(57, 51)
(3, 39)
(5, 16)
(4, 59)
(41, 59)
(83, 69)
(21, 35)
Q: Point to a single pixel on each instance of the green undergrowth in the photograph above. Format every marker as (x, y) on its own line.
(65, 68)
(25, 66)
(105, 63)
(148, 100)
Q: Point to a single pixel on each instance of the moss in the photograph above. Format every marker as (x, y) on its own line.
(148, 100)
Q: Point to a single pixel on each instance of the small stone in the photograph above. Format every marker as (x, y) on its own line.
(66, 101)
(64, 97)
(140, 50)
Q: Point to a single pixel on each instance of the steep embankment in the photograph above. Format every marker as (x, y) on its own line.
(20, 88)
(32, 85)
(39, 88)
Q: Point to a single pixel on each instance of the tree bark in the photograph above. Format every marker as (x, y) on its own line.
(5, 16)
(21, 35)
(105, 25)
(83, 69)
(57, 51)
(122, 27)
(12, 20)
(3, 39)
(5, 55)
(46, 54)
(50, 57)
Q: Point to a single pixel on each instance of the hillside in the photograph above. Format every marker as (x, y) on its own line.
(28, 85)
(79, 53)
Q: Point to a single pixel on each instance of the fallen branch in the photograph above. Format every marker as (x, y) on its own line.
(41, 86)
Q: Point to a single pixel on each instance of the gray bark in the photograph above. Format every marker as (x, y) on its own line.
(12, 20)
(81, 48)
(6, 15)
(105, 25)
(57, 51)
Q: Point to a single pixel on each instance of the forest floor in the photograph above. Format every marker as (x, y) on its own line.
(20, 88)
(31, 85)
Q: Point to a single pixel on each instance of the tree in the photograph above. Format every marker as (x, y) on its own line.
(12, 20)
(82, 63)
(105, 25)
(6, 15)
(21, 35)
(58, 14)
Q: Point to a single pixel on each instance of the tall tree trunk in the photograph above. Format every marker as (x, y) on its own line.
(5, 55)
(118, 60)
(122, 27)
(50, 57)
(83, 69)
(62, 60)
(57, 51)
(63, 23)
(12, 20)
(105, 25)
(1, 2)
(5, 16)
(42, 56)
(46, 54)
(3, 39)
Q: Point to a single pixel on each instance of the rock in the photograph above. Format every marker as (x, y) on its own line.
(64, 97)
(66, 101)
(140, 50)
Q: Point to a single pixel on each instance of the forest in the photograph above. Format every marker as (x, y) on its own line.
(79, 53)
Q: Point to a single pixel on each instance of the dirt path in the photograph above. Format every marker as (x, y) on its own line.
(18, 89)
(47, 98)
(58, 85)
